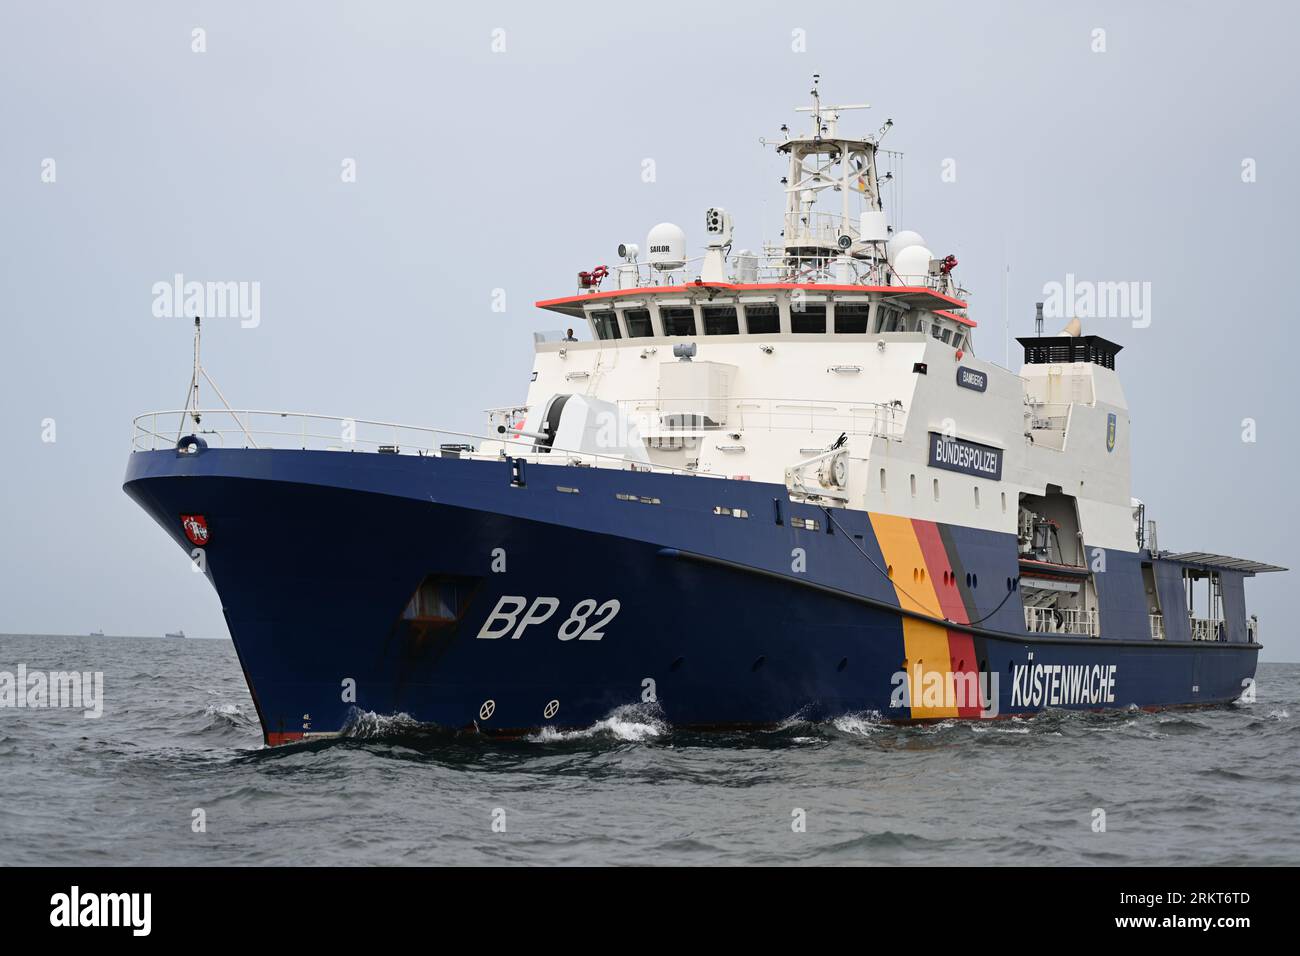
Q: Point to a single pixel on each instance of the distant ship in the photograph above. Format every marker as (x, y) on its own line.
(96, 633)
(176, 634)
(771, 484)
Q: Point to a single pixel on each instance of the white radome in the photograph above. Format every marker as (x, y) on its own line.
(901, 241)
(666, 247)
(912, 265)
(873, 226)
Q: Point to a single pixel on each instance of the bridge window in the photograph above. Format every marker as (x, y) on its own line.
(720, 320)
(678, 320)
(851, 317)
(811, 320)
(638, 323)
(606, 324)
(762, 319)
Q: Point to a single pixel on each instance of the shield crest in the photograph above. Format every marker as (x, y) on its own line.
(1110, 432)
(196, 529)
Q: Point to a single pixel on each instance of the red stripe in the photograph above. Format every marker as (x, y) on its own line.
(754, 287)
(288, 737)
(955, 317)
(961, 647)
(940, 571)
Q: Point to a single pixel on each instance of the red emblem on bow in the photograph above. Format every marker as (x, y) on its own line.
(196, 529)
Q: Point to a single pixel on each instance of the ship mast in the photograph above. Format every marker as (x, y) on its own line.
(822, 160)
(192, 409)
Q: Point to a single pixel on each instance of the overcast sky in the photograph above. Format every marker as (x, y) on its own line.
(479, 170)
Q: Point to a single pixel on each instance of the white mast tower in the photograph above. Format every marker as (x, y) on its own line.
(826, 160)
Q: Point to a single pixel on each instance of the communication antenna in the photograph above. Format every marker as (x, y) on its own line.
(198, 372)
(1006, 314)
(829, 128)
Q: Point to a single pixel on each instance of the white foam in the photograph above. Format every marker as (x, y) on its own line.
(631, 722)
(862, 724)
(366, 724)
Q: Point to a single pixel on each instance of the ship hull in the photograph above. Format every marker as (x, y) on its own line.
(567, 593)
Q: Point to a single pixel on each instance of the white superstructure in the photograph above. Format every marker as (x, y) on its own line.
(845, 328)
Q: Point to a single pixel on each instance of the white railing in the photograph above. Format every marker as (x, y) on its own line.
(262, 429)
(871, 419)
(1205, 628)
(1047, 423)
(509, 417)
(1157, 626)
(775, 266)
(1067, 620)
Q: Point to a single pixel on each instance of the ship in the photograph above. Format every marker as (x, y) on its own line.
(179, 633)
(761, 485)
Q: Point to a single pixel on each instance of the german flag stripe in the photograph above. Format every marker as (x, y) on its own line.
(959, 569)
(946, 569)
(941, 571)
(927, 646)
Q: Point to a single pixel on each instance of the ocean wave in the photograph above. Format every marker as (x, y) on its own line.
(220, 719)
(368, 725)
(634, 723)
(862, 724)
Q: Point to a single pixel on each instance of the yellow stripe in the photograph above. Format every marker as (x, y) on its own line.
(928, 654)
(902, 552)
(925, 644)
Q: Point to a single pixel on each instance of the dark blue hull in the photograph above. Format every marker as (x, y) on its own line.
(719, 620)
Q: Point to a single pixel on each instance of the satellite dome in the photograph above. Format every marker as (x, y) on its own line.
(901, 241)
(666, 247)
(912, 264)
